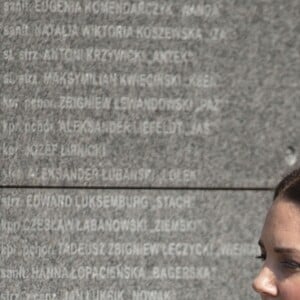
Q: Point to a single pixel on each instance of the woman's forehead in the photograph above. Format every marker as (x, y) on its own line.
(282, 223)
(284, 209)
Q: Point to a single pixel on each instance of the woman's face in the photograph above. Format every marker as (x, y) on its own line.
(279, 277)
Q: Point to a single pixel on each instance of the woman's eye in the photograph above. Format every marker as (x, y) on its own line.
(291, 265)
(261, 257)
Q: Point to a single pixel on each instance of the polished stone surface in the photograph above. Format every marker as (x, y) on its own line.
(174, 95)
(209, 236)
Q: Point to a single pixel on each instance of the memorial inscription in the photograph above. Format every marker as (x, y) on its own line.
(72, 242)
(128, 105)
(147, 77)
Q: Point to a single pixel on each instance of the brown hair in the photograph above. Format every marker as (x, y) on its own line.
(289, 187)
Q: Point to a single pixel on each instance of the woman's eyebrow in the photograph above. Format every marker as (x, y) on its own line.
(280, 249)
(286, 250)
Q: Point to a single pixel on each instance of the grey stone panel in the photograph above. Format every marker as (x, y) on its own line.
(205, 249)
(173, 94)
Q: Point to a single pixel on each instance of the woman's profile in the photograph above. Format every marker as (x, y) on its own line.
(279, 277)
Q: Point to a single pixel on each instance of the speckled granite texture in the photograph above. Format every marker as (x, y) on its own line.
(135, 94)
(212, 245)
(100, 97)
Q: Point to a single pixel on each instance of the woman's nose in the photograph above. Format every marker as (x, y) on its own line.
(265, 283)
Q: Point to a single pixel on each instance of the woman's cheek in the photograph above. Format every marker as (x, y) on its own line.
(290, 290)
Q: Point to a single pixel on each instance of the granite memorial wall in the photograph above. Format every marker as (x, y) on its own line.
(140, 141)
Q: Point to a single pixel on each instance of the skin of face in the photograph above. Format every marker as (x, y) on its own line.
(279, 277)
